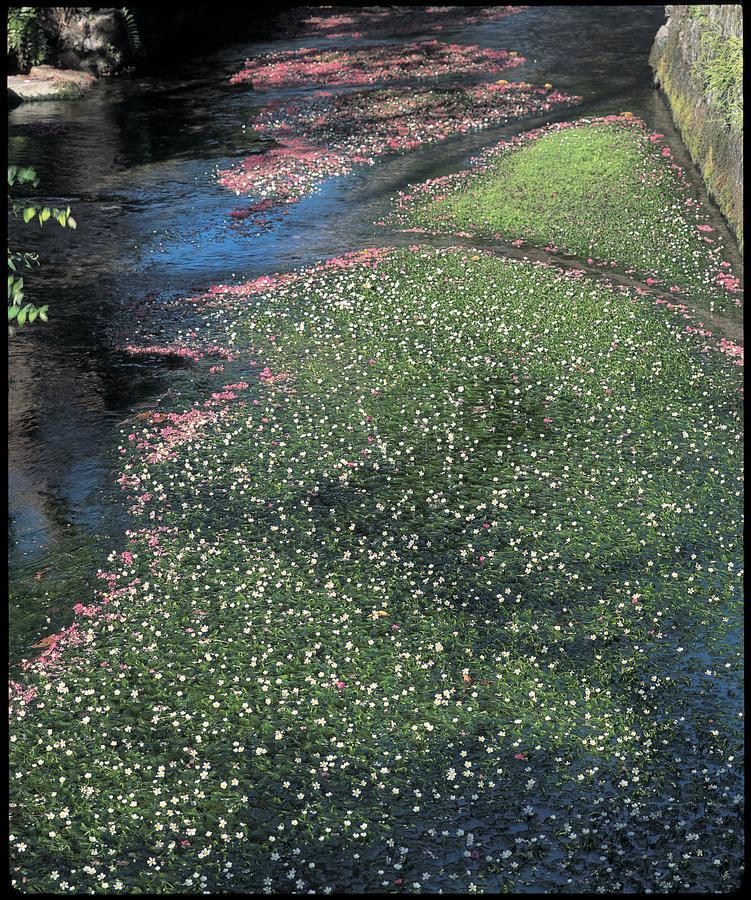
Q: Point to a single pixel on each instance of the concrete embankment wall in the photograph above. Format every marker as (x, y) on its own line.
(697, 60)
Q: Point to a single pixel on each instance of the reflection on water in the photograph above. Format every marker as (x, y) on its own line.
(135, 160)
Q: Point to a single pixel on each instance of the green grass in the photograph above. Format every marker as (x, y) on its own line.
(720, 66)
(600, 191)
(721, 69)
(333, 661)
(565, 187)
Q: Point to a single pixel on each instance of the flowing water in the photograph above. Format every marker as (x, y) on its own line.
(136, 161)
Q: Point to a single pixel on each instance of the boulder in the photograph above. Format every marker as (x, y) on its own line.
(48, 83)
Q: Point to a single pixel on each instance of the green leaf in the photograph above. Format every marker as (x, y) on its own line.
(28, 214)
(72, 222)
(12, 313)
(22, 316)
(33, 313)
(44, 215)
(43, 313)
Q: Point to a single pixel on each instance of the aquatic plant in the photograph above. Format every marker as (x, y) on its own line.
(336, 66)
(605, 190)
(386, 21)
(441, 593)
(329, 134)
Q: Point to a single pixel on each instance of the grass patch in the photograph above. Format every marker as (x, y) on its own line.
(721, 68)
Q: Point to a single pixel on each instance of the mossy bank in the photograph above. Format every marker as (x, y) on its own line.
(698, 62)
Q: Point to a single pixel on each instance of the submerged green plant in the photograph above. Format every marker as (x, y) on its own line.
(438, 586)
(605, 190)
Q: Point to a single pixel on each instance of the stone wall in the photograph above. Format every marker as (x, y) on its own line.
(679, 60)
(92, 39)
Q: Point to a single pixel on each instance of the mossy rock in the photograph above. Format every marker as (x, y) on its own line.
(48, 83)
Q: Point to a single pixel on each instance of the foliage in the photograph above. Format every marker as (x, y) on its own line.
(26, 39)
(721, 69)
(134, 36)
(28, 43)
(338, 131)
(19, 313)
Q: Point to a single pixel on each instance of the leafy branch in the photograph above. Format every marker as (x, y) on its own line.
(26, 39)
(20, 313)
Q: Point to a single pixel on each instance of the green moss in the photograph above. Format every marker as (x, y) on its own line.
(684, 115)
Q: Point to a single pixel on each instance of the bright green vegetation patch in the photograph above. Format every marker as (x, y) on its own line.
(449, 601)
(601, 190)
(720, 68)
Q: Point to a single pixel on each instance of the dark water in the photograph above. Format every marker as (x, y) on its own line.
(136, 161)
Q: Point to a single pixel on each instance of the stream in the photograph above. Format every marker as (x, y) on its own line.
(136, 161)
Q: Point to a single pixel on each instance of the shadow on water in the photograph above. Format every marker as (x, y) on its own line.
(136, 161)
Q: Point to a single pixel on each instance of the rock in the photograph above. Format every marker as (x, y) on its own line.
(89, 38)
(661, 38)
(48, 83)
(714, 139)
(658, 48)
